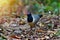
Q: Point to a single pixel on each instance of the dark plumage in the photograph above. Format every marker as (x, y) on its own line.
(29, 18)
(32, 19)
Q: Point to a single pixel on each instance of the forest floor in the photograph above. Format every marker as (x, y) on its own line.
(47, 28)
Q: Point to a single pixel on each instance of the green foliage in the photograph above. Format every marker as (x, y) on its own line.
(1, 38)
(44, 5)
(49, 8)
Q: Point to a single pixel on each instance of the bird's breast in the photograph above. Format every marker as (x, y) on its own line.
(30, 19)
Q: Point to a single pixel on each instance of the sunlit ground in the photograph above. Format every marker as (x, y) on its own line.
(6, 6)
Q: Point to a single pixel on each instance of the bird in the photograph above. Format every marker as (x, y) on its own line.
(32, 19)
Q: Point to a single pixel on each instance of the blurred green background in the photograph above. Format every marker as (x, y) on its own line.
(44, 6)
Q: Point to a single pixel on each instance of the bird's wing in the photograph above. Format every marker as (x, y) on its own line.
(35, 18)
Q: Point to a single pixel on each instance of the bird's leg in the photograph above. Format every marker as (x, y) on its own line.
(31, 25)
